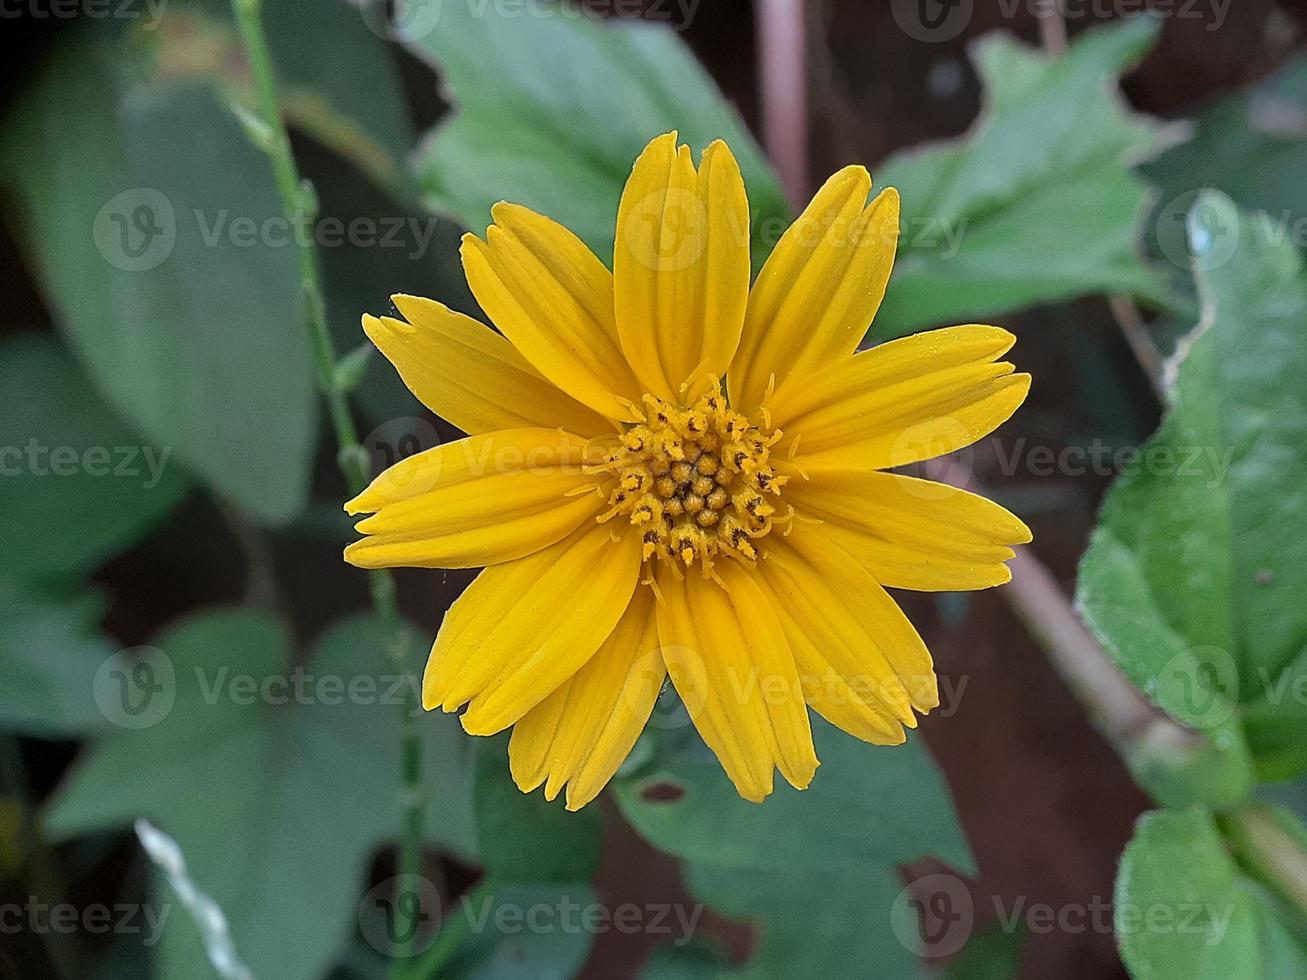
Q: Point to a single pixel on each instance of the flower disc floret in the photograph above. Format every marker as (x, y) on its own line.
(696, 482)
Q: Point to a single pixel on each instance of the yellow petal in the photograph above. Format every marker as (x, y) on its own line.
(902, 402)
(681, 266)
(863, 665)
(729, 660)
(522, 628)
(582, 733)
(910, 533)
(471, 376)
(478, 501)
(548, 294)
(820, 288)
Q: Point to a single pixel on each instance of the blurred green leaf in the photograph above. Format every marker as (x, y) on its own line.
(993, 953)
(155, 231)
(278, 784)
(1195, 576)
(1185, 911)
(337, 79)
(871, 806)
(50, 651)
(1252, 146)
(552, 114)
(522, 932)
(76, 485)
(523, 838)
(694, 960)
(833, 924)
(1037, 203)
(392, 249)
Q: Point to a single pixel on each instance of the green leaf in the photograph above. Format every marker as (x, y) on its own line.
(50, 653)
(76, 485)
(867, 804)
(693, 960)
(336, 77)
(552, 114)
(523, 838)
(394, 249)
(1184, 911)
(155, 230)
(1193, 580)
(1037, 204)
(836, 925)
(277, 783)
(522, 932)
(991, 954)
(1252, 146)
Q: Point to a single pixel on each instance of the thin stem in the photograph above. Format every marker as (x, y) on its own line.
(1141, 342)
(783, 76)
(456, 929)
(1052, 26)
(42, 870)
(1269, 848)
(301, 207)
(1120, 711)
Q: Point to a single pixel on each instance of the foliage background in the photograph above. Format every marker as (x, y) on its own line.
(1067, 180)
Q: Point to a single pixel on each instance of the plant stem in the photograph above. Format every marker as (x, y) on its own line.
(455, 930)
(783, 77)
(1120, 711)
(301, 207)
(1269, 848)
(1052, 26)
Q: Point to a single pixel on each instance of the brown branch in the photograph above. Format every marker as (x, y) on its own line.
(1121, 712)
(783, 79)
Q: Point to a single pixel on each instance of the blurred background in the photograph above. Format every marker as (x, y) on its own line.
(172, 598)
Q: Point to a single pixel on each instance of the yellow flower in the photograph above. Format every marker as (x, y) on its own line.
(639, 518)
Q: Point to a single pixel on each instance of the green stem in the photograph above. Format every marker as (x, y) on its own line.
(42, 870)
(1276, 852)
(301, 207)
(453, 932)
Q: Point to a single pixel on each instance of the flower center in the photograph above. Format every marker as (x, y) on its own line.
(696, 482)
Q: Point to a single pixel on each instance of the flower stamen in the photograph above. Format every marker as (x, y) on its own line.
(696, 482)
